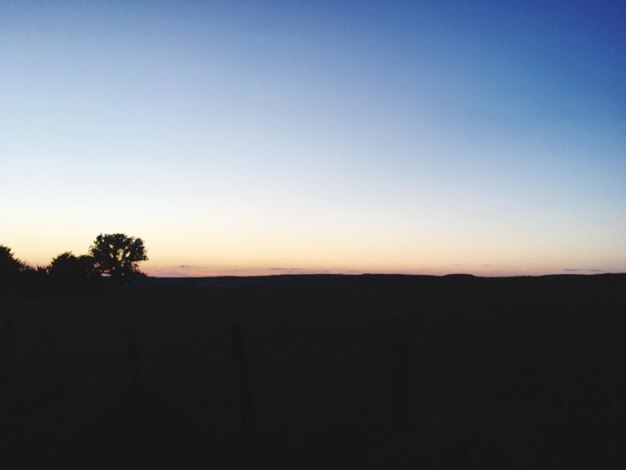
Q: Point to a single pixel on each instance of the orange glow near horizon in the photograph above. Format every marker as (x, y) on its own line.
(319, 256)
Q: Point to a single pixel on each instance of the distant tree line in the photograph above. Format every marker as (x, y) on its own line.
(112, 260)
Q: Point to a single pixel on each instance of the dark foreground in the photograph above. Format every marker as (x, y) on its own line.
(360, 372)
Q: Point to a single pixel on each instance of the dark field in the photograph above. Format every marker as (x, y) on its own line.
(360, 372)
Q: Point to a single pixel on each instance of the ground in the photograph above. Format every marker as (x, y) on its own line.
(342, 372)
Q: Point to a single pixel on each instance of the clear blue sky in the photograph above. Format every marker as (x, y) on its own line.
(269, 137)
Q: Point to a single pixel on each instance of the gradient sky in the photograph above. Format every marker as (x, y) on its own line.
(280, 137)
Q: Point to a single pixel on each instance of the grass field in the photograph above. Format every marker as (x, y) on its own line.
(344, 372)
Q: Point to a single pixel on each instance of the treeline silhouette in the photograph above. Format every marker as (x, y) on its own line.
(112, 260)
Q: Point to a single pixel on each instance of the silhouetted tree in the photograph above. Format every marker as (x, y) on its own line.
(10, 270)
(70, 274)
(117, 256)
(34, 282)
(9, 264)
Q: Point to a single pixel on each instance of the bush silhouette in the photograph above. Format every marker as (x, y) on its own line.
(70, 274)
(35, 282)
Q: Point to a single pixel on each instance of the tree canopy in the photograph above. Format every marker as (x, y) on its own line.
(10, 267)
(69, 265)
(117, 255)
(71, 274)
(8, 261)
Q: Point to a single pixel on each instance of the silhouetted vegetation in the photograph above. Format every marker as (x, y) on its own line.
(10, 271)
(113, 259)
(70, 274)
(118, 256)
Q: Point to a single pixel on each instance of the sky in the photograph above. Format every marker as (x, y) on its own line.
(243, 138)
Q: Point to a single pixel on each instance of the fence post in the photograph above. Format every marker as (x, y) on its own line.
(243, 375)
(399, 375)
(7, 356)
(45, 331)
(131, 335)
(8, 368)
